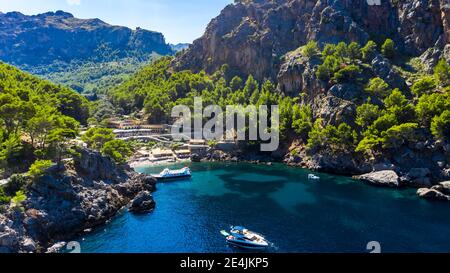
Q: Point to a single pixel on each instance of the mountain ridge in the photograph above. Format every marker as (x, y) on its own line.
(87, 55)
(59, 36)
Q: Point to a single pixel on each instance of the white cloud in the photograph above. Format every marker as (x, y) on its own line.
(74, 2)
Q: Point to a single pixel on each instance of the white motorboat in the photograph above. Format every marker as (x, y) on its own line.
(168, 174)
(313, 177)
(246, 239)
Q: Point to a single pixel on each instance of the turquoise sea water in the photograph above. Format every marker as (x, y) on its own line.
(335, 214)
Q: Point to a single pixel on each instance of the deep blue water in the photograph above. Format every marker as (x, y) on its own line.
(335, 214)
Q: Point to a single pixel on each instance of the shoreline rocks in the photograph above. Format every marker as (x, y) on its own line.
(432, 194)
(385, 178)
(142, 203)
(440, 192)
(418, 178)
(56, 248)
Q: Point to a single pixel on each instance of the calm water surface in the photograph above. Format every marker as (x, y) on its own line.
(335, 214)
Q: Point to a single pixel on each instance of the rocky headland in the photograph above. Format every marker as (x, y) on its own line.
(68, 200)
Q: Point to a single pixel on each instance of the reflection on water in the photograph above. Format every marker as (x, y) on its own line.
(335, 214)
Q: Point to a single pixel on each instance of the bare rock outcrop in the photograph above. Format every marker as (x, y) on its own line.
(440, 192)
(382, 178)
(142, 203)
(432, 194)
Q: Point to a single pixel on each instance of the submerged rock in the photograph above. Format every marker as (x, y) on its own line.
(381, 178)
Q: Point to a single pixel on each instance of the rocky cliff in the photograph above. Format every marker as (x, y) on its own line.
(65, 202)
(252, 36)
(59, 36)
(263, 38)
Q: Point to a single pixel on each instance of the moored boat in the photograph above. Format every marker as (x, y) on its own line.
(168, 174)
(313, 177)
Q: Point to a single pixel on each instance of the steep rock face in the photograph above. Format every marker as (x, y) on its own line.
(45, 38)
(252, 36)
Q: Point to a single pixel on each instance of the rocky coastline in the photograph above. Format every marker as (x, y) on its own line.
(424, 166)
(70, 200)
(89, 190)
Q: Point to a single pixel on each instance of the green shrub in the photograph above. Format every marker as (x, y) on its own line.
(38, 168)
(4, 198)
(423, 86)
(340, 139)
(396, 136)
(431, 105)
(440, 126)
(366, 114)
(442, 72)
(345, 138)
(383, 123)
(368, 51)
(378, 87)
(316, 138)
(302, 120)
(311, 49)
(347, 74)
(368, 144)
(212, 143)
(95, 138)
(341, 51)
(18, 199)
(328, 50)
(16, 183)
(326, 70)
(118, 150)
(400, 106)
(354, 51)
(388, 49)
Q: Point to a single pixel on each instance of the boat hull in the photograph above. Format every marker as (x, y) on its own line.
(159, 178)
(247, 245)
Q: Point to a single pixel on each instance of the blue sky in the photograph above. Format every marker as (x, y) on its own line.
(179, 20)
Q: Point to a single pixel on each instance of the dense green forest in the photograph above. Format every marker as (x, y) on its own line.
(39, 122)
(36, 117)
(386, 117)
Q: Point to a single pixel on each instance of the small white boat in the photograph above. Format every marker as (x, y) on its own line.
(313, 177)
(246, 239)
(168, 174)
